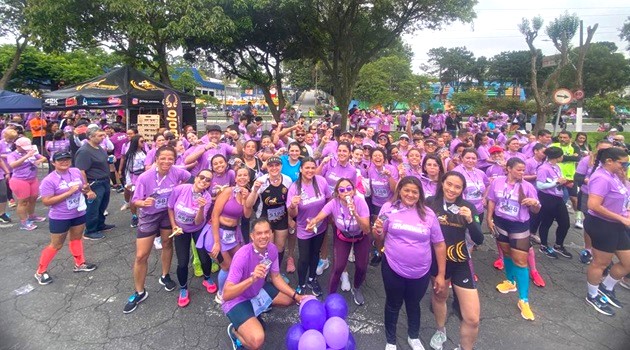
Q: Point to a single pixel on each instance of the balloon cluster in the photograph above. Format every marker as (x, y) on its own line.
(322, 326)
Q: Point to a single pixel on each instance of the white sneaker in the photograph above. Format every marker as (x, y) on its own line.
(105, 213)
(437, 340)
(345, 282)
(218, 299)
(322, 265)
(351, 256)
(157, 243)
(579, 223)
(390, 347)
(415, 344)
(124, 207)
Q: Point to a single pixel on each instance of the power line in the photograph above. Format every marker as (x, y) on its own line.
(553, 8)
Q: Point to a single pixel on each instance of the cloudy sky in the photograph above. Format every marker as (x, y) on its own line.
(495, 28)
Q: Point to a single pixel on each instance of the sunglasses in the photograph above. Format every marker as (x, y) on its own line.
(345, 189)
(300, 135)
(206, 179)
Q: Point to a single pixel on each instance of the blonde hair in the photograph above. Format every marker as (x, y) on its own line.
(10, 134)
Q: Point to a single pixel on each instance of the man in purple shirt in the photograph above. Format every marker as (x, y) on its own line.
(247, 294)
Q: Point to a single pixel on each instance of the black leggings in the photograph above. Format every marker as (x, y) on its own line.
(309, 257)
(397, 290)
(182, 248)
(553, 208)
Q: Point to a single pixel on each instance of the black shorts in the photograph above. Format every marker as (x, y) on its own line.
(572, 191)
(458, 272)
(62, 226)
(606, 236)
(244, 310)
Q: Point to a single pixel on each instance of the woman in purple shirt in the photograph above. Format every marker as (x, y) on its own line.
(407, 230)
(550, 183)
(351, 223)
(510, 201)
(413, 166)
(62, 191)
(222, 176)
(158, 141)
(432, 172)
(24, 161)
(188, 207)
(476, 180)
(307, 196)
(607, 223)
(482, 146)
(513, 145)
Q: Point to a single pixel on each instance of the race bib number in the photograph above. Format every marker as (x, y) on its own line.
(275, 214)
(509, 207)
(227, 236)
(161, 202)
(473, 193)
(261, 302)
(72, 202)
(184, 218)
(379, 192)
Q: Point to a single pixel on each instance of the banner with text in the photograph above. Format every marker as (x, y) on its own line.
(173, 111)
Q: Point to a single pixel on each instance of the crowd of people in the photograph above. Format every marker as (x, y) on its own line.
(238, 201)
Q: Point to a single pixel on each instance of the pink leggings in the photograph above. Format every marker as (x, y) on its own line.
(341, 250)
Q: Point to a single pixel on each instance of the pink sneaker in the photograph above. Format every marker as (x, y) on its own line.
(183, 299)
(37, 219)
(537, 278)
(211, 287)
(498, 264)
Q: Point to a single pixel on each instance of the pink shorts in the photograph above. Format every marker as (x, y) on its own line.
(23, 189)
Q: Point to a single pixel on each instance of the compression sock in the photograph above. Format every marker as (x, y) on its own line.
(48, 254)
(222, 277)
(531, 259)
(76, 249)
(508, 266)
(522, 281)
(499, 251)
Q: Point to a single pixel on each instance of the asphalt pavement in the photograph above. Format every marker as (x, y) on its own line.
(84, 310)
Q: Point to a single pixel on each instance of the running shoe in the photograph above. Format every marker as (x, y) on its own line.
(236, 344)
(215, 267)
(107, 227)
(197, 268)
(611, 298)
(535, 239)
(290, 265)
(167, 282)
(437, 340)
(36, 218)
(218, 299)
(351, 255)
(183, 300)
(526, 311)
(134, 221)
(537, 278)
(600, 304)
(12, 203)
(579, 223)
(124, 207)
(357, 296)
(94, 236)
(157, 243)
(345, 282)
(300, 290)
(105, 213)
(560, 249)
(133, 301)
(498, 264)
(624, 282)
(376, 258)
(415, 344)
(28, 226)
(586, 257)
(506, 287)
(85, 267)
(43, 278)
(322, 265)
(211, 287)
(390, 347)
(316, 289)
(550, 253)
(5, 219)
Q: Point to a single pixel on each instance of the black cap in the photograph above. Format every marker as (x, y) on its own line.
(213, 127)
(62, 155)
(274, 159)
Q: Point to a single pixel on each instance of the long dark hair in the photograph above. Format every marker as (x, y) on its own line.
(130, 156)
(437, 160)
(298, 182)
(479, 138)
(603, 155)
(438, 199)
(411, 180)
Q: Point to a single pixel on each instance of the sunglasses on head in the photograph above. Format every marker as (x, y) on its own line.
(206, 179)
(345, 189)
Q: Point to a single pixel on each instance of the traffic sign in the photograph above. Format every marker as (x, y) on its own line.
(578, 94)
(562, 96)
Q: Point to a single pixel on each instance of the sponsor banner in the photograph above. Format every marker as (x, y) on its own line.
(173, 111)
(148, 125)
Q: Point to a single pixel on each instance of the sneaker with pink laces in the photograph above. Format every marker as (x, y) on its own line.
(37, 219)
(211, 287)
(28, 226)
(183, 299)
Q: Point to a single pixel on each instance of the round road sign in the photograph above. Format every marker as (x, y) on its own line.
(562, 96)
(578, 94)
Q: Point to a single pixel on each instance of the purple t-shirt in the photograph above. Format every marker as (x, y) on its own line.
(484, 155)
(333, 171)
(583, 168)
(27, 170)
(531, 166)
(206, 158)
(476, 183)
(547, 173)
(494, 171)
(150, 159)
(243, 265)
(221, 181)
(429, 187)
(379, 183)
(184, 205)
(612, 190)
(330, 149)
(506, 198)
(55, 184)
(310, 205)
(408, 239)
(118, 139)
(343, 220)
(150, 183)
(519, 155)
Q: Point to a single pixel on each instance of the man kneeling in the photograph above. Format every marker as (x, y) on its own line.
(246, 293)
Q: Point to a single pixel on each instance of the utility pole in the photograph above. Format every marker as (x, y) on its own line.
(580, 103)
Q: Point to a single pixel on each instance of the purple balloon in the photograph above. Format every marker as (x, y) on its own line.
(293, 336)
(336, 332)
(312, 340)
(313, 315)
(305, 300)
(336, 306)
(351, 343)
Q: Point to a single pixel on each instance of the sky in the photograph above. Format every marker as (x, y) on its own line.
(496, 27)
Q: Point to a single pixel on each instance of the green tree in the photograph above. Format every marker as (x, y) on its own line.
(515, 67)
(452, 65)
(184, 80)
(14, 23)
(470, 101)
(624, 33)
(602, 106)
(346, 35)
